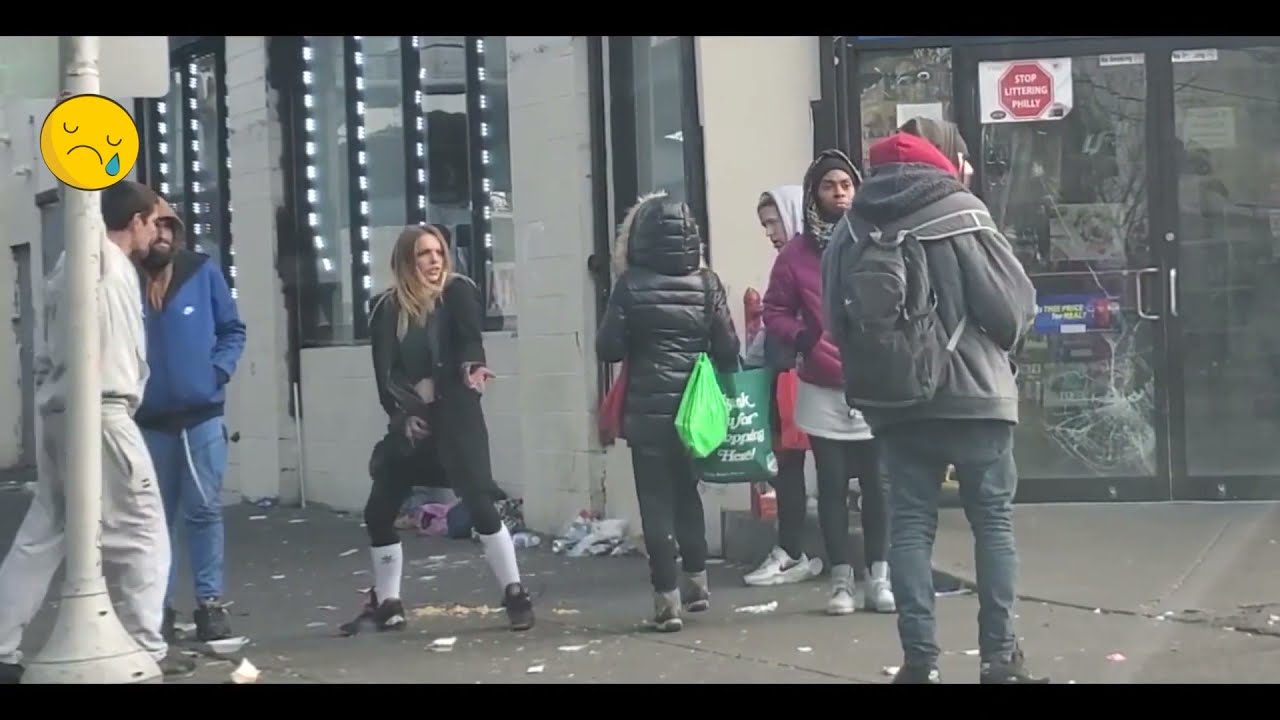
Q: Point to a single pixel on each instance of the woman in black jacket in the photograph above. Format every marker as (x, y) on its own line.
(429, 365)
(664, 311)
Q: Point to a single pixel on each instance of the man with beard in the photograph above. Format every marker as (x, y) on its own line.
(194, 339)
(135, 545)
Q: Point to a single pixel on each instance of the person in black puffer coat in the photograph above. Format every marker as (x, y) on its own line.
(664, 311)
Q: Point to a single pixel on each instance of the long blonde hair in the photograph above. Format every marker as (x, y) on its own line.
(417, 299)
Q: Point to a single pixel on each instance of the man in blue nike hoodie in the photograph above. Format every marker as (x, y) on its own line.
(194, 340)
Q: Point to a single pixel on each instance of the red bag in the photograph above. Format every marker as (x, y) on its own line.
(790, 436)
(610, 419)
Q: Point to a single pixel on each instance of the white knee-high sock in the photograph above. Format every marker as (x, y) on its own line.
(388, 566)
(501, 554)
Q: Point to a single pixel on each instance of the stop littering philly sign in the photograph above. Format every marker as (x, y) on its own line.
(1025, 90)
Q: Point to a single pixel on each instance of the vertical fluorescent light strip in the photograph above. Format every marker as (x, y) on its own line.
(486, 182)
(420, 120)
(311, 178)
(221, 87)
(362, 173)
(199, 209)
(162, 147)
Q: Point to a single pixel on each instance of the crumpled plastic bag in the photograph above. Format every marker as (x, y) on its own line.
(588, 535)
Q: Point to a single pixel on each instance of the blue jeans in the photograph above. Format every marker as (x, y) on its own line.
(190, 465)
(916, 457)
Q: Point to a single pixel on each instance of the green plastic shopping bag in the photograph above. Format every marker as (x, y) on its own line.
(702, 422)
(746, 454)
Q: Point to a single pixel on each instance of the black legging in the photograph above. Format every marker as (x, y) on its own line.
(792, 500)
(670, 513)
(396, 472)
(837, 461)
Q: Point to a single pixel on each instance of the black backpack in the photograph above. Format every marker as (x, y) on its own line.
(894, 347)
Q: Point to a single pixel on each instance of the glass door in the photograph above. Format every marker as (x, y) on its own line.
(1064, 163)
(1224, 276)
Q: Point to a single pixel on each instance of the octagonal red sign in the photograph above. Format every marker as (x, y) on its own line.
(1026, 90)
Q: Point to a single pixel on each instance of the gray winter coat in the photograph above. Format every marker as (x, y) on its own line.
(974, 274)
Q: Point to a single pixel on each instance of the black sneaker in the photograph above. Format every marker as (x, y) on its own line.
(174, 664)
(213, 622)
(519, 607)
(389, 615)
(167, 626)
(917, 675)
(10, 673)
(1013, 672)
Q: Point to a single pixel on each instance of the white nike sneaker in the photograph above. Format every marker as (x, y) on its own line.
(779, 568)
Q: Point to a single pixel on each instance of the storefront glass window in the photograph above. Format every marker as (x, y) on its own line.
(384, 145)
(659, 103)
(204, 170)
(169, 147)
(897, 85)
(1070, 194)
(1227, 122)
(329, 181)
(443, 63)
(495, 139)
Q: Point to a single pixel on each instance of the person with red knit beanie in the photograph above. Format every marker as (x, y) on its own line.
(985, 305)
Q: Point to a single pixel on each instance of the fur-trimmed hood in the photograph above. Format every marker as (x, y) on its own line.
(659, 234)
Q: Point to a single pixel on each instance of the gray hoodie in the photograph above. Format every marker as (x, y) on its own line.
(975, 275)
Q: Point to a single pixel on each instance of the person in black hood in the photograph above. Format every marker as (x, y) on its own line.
(665, 310)
(985, 304)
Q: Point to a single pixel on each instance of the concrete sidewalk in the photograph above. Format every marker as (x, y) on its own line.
(294, 575)
(1212, 563)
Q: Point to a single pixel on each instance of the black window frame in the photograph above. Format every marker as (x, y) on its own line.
(623, 145)
(417, 179)
(182, 54)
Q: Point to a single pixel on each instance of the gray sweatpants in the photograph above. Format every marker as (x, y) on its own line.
(135, 540)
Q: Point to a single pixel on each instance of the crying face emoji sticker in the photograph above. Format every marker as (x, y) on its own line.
(89, 142)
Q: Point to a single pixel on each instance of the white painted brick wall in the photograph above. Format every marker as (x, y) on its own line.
(263, 461)
(550, 165)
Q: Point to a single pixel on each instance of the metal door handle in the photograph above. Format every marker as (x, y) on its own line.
(1173, 292)
(1137, 287)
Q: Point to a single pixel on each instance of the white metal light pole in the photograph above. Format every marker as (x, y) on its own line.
(88, 644)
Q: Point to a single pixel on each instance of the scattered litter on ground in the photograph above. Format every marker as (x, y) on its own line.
(889, 670)
(426, 578)
(1228, 628)
(1273, 619)
(805, 649)
(536, 669)
(191, 653)
(316, 624)
(257, 517)
(245, 673)
(758, 609)
(444, 644)
(297, 521)
(360, 572)
(364, 591)
(715, 561)
(588, 534)
(277, 577)
(565, 611)
(454, 611)
(184, 627)
(953, 593)
(437, 558)
(1116, 657)
(571, 648)
(971, 653)
(1097, 611)
(526, 539)
(326, 607)
(227, 646)
(349, 553)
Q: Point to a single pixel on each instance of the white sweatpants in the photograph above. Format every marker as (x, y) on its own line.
(135, 540)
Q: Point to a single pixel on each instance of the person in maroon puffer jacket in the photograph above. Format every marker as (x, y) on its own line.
(842, 443)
